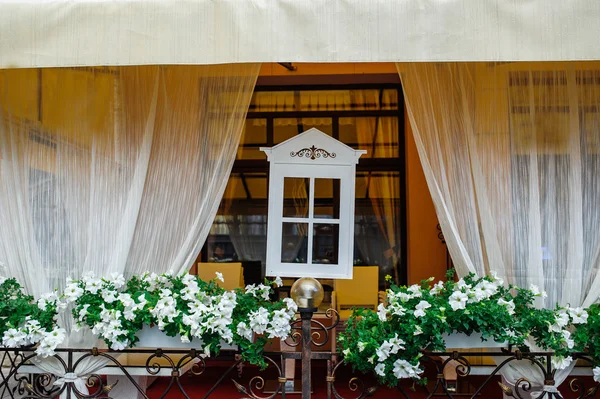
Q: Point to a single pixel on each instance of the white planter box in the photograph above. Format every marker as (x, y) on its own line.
(472, 341)
(152, 337)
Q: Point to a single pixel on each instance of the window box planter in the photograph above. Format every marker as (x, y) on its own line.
(152, 337)
(473, 341)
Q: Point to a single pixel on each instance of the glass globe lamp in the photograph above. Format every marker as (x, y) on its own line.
(307, 293)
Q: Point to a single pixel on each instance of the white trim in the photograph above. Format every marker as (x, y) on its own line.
(337, 161)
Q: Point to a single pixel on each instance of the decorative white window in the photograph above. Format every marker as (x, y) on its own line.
(303, 242)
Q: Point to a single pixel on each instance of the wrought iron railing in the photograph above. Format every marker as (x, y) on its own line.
(19, 378)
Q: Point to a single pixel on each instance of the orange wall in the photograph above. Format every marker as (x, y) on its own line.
(426, 253)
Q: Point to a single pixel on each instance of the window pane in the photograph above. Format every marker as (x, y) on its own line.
(294, 242)
(377, 233)
(250, 186)
(254, 136)
(377, 135)
(325, 243)
(325, 100)
(295, 197)
(286, 128)
(348, 100)
(273, 101)
(327, 198)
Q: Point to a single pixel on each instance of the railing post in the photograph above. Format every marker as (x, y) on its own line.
(308, 295)
(306, 316)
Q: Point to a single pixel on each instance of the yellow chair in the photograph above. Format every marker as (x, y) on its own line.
(359, 292)
(232, 273)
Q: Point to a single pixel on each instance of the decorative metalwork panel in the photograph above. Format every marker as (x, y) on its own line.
(17, 380)
(313, 153)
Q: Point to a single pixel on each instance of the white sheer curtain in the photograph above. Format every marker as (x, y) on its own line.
(113, 170)
(511, 154)
(382, 191)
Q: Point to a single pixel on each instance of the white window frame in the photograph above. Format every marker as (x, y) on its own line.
(343, 167)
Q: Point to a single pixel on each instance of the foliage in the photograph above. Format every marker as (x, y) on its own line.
(183, 306)
(390, 341)
(23, 322)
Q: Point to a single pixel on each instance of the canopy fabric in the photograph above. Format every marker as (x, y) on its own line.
(45, 33)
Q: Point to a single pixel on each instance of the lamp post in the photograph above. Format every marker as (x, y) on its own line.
(308, 295)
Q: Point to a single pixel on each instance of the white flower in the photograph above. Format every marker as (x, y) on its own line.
(561, 363)
(259, 320)
(578, 315)
(510, 305)
(403, 369)
(83, 311)
(45, 349)
(536, 291)
(14, 338)
(117, 279)
(93, 285)
(109, 296)
(206, 351)
(371, 359)
(461, 284)
(497, 280)
(264, 291)
(437, 288)
(72, 292)
(382, 312)
(346, 351)
(278, 281)
(380, 369)
(55, 337)
(415, 289)
(119, 345)
(597, 374)
(220, 276)
(404, 297)
(418, 330)
(562, 319)
(486, 289)
(567, 337)
(34, 330)
(185, 339)
(291, 306)
(384, 351)
(361, 346)
(244, 331)
(421, 306)
(396, 309)
(458, 300)
(396, 344)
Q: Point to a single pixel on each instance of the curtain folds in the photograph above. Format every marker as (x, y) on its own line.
(113, 170)
(369, 132)
(511, 156)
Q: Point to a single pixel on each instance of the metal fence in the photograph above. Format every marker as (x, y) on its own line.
(19, 378)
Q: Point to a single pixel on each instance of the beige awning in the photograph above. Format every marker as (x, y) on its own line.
(42, 33)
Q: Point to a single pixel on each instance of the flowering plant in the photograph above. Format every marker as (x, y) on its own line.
(181, 305)
(23, 322)
(416, 318)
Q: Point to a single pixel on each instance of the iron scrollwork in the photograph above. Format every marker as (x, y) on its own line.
(313, 153)
(306, 330)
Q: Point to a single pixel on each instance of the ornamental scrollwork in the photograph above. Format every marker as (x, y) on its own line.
(313, 153)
